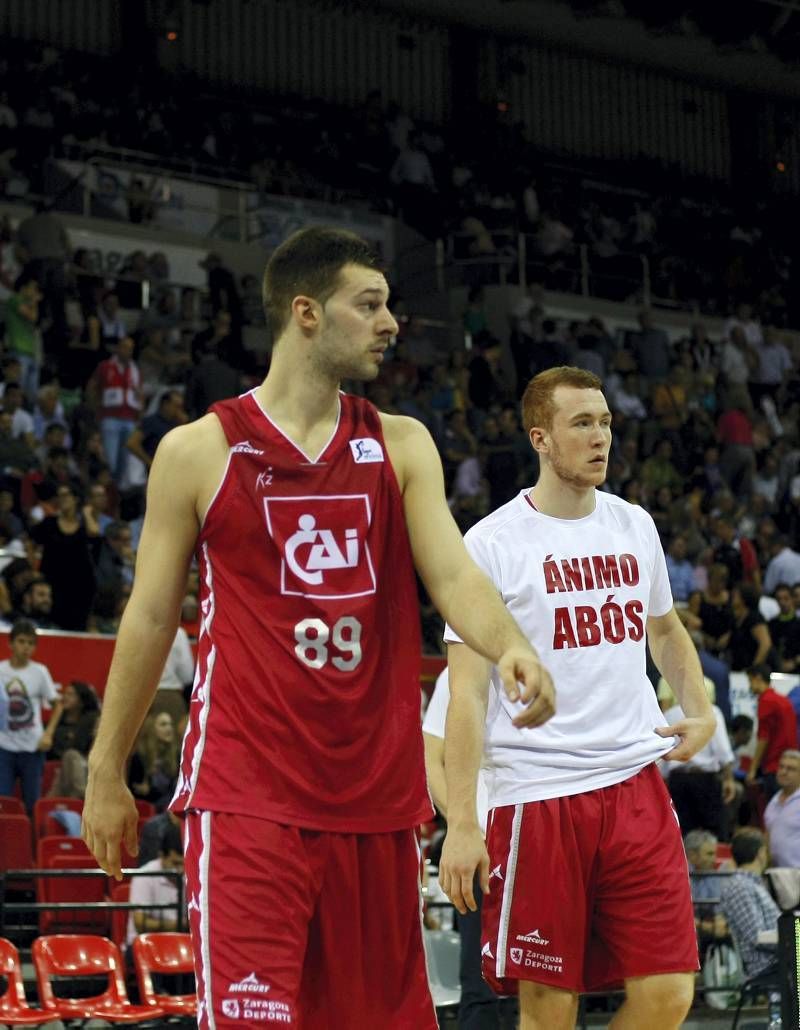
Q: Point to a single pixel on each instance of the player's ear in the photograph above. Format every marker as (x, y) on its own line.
(306, 313)
(539, 440)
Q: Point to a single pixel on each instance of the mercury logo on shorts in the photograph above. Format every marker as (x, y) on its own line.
(250, 985)
(532, 937)
(323, 545)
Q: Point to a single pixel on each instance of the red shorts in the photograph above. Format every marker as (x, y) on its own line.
(293, 927)
(588, 890)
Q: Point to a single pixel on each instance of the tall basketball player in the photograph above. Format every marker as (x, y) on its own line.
(302, 773)
(585, 872)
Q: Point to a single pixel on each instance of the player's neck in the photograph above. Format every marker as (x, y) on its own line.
(299, 401)
(552, 496)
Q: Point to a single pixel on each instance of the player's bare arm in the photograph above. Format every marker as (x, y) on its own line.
(676, 659)
(188, 462)
(464, 849)
(434, 770)
(463, 595)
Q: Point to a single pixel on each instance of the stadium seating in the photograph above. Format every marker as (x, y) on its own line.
(43, 823)
(14, 1008)
(165, 954)
(11, 806)
(15, 842)
(69, 956)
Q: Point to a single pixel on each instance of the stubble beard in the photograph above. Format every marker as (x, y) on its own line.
(576, 480)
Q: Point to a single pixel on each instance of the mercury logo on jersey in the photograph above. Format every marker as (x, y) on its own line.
(323, 545)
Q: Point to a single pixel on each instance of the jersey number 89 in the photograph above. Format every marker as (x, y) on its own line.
(313, 635)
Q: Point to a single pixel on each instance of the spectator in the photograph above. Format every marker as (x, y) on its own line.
(153, 833)
(679, 569)
(703, 786)
(412, 176)
(735, 552)
(153, 771)
(701, 854)
(211, 379)
(26, 688)
(658, 470)
(96, 509)
(223, 293)
(36, 603)
(44, 247)
(72, 739)
(21, 421)
(176, 677)
(777, 729)
(116, 392)
(784, 630)
(22, 333)
(651, 348)
(144, 440)
(139, 198)
(750, 642)
(745, 901)
(66, 562)
(737, 360)
(148, 891)
(774, 367)
(112, 327)
(735, 436)
(782, 814)
(48, 410)
(783, 567)
(114, 560)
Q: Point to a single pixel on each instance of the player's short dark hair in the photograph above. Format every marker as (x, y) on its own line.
(741, 722)
(309, 263)
(22, 628)
(538, 408)
(746, 844)
(171, 841)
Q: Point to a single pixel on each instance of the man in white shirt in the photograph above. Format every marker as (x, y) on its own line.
(703, 786)
(157, 890)
(585, 865)
(782, 814)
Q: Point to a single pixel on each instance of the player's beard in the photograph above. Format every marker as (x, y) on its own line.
(567, 475)
(336, 359)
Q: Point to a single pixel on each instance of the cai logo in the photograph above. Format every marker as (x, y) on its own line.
(323, 545)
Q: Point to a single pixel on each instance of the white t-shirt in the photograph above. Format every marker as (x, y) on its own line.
(581, 591)
(179, 666)
(152, 890)
(433, 723)
(23, 692)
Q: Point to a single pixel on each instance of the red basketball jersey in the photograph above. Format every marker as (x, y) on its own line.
(306, 702)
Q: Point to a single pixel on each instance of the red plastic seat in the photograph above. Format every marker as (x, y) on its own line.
(166, 954)
(59, 889)
(51, 768)
(43, 825)
(146, 809)
(14, 1008)
(15, 842)
(48, 847)
(81, 955)
(11, 806)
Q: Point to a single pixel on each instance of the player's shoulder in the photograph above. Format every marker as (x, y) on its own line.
(612, 506)
(193, 440)
(402, 429)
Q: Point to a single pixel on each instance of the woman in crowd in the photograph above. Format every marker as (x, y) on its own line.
(153, 770)
(71, 738)
(750, 641)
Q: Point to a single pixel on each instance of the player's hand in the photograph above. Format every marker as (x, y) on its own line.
(525, 679)
(109, 818)
(464, 852)
(728, 791)
(694, 734)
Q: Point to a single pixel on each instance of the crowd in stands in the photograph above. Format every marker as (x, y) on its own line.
(706, 246)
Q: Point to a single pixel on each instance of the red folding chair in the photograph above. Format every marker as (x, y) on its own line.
(44, 825)
(48, 847)
(82, 955)
(15, 842)
(165, 954)
(14, 1008)
(11, 806)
